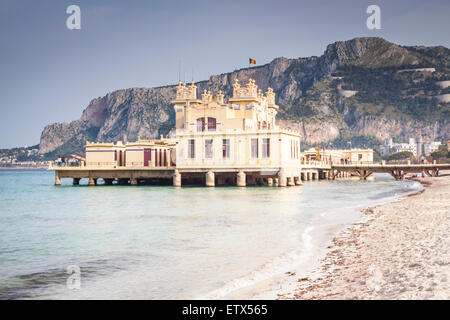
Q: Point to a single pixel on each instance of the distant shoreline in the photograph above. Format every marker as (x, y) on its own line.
(22, 168)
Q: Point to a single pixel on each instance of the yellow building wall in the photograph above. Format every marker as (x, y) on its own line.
(134, 157)
(100, 154)
(103, 154)
(360, 155)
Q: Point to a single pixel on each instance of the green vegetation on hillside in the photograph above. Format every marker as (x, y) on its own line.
(73, 145)
(317, 103)
(388, 92)
(387, 82)
(403, 155)
(348, 140)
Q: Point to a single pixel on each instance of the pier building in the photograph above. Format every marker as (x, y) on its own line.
(239, 141)
(142, 153)
(339, 156)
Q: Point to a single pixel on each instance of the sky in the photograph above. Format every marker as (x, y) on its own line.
(49, 73)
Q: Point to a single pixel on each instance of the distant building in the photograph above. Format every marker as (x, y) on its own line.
(385, 148)
(402, 147)
(419, 145)
(327, 155)
(339, 156)
(429, 148)
(142, 153)
(414, 146)
(359, 155)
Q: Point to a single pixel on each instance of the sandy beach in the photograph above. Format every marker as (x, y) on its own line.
(399, 250)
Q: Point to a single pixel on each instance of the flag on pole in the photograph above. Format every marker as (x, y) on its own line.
(251, 61)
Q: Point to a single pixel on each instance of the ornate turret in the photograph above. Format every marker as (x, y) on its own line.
(206, 96)
(219, 97)
(257, 108)
(236, 87)
(260, 94)
(270, 95)
(250, 90)
(186, 92)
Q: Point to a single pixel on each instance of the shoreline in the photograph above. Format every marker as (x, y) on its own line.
(316, 238)
(394, 251)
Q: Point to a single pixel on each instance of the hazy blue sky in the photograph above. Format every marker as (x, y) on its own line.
(49, 73)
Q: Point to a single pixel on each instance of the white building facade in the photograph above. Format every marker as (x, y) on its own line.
(241, 135)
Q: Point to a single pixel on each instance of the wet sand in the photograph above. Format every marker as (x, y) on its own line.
(399, 250)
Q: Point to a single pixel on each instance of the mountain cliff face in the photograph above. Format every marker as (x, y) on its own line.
(360, 91)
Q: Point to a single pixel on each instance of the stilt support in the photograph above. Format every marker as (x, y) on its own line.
(241, 179)
(210, 179)
(290, 181)
(57, 179)
(92, 181)
(282, 180)
(364, 174)
(176, 179)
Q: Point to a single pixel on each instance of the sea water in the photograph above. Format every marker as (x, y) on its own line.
(161, 242)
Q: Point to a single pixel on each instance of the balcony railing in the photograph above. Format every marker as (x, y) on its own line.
(101, 164)
(331, 162)
(70, 164)
(112, 165)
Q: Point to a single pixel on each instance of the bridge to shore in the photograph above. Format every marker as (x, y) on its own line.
(396, 170)
(135, 175)
(365, 170)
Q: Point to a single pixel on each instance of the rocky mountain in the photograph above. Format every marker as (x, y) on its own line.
(359, 91)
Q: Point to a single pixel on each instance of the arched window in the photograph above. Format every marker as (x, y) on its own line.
(264, 125)
(200, 124)
(211, 124)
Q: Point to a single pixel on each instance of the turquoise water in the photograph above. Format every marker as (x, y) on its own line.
(157, 242)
